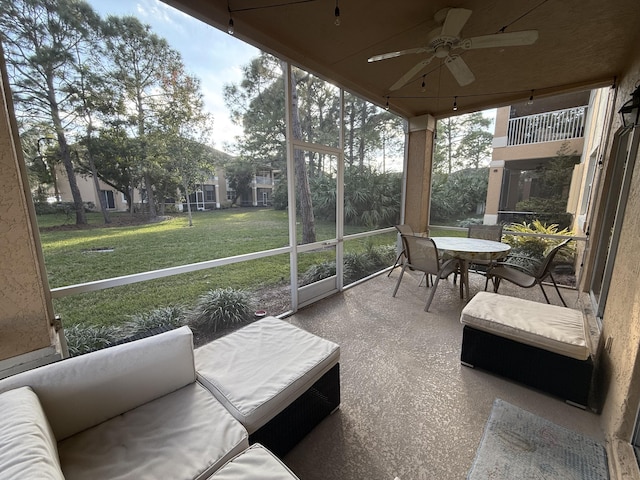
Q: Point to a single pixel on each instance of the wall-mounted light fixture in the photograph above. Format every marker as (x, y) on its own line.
(630, 111)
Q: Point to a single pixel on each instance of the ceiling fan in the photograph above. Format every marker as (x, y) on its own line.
(443, 40)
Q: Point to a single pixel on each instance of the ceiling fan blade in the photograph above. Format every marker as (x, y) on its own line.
(385, 56)
(409, 75)
(511, 39)
(456, 18)
(459, 69)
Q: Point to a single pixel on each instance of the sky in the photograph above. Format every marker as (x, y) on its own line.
(215, 57)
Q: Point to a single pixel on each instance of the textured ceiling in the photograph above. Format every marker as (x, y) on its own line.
(581, 44)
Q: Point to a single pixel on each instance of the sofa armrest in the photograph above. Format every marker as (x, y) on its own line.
(81, 392)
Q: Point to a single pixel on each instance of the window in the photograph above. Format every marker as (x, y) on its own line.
(209, 193)
(109, 200)
(231, 194)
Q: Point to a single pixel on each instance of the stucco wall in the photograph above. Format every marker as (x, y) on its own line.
(25, 313)
(621, 323)
(418, 190)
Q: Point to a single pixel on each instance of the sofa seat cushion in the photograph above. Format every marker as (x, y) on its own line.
(186, 434)
(258, 370)
(255, 462)
(27, 444)
(556, 329)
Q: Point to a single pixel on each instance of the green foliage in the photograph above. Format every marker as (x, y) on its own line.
(457, 195)
(357, 265)
(172, 316)
(221, 308)
(467, 222)
(535, 248)
(83, 339)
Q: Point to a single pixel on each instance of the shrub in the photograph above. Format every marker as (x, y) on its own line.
(221, 308)
(535, 248)
(467, 222)
(318, 272)
(357, 266)
(83, 339)
(170, 317)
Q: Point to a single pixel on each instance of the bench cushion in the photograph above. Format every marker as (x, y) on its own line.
(185, 434)
(27, 445)
(78, 393)
(258, 370)
(556, 329)
(255, 462)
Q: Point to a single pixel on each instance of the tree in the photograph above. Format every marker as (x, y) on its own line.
(475, 145)
(239, 174)
(40, 37)
(142, 61)
(184, 127)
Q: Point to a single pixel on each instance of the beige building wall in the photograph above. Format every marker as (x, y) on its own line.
(620, 362)
(27, 336)
(88, 191)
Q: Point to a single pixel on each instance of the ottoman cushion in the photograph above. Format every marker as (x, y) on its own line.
(556, 329)
(257, 371)
(255, 462)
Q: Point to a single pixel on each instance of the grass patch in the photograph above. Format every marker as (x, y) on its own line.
(77, 255)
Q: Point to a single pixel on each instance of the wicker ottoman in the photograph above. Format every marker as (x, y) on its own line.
(278, 380)
(543, 346)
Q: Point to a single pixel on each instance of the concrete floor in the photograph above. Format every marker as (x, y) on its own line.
(409, 408)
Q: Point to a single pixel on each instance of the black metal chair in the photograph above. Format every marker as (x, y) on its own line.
(526, 278)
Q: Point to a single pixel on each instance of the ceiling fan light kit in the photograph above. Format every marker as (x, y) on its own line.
(443, 40)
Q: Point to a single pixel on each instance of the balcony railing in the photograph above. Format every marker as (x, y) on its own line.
(547, 127)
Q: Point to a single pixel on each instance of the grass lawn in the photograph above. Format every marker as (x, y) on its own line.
(74, 255)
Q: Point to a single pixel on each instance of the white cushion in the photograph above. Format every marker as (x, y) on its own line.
(186, 434)
(556, 329)
(27, 445)
(256, 462)
(80, 392)
(257, 371)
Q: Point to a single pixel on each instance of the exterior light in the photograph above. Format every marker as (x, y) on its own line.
(630, 111)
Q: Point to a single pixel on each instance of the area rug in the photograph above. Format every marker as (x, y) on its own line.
(517, 444)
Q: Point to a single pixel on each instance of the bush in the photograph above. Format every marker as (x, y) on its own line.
(221, 308)
(170, 317)
(535, 248)
(318, 272)
(45, 208)
(467, 222)
(83, 339)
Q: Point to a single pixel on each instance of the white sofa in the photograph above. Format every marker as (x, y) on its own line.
(131, 411)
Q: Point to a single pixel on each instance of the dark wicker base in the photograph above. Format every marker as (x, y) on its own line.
(291, 425)
(550, 372)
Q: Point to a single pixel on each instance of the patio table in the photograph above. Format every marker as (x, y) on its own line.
(465, 250)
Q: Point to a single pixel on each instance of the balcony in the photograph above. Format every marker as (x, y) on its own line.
(558, 125)
(409, 408)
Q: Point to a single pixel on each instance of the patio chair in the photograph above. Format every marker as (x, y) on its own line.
(484, 232)
(422, 255)
(403, 229)
(526, 278)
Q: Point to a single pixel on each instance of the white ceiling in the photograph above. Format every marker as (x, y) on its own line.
(581, 44)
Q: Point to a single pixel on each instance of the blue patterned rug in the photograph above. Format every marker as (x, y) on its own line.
(517, 444)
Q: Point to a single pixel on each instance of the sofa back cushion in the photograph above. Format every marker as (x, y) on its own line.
(80, 392)
(27, 445)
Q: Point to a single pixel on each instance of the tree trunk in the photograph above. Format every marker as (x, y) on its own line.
(151, 198)
(186, 194)
(302, 178)
(96, 184)
(81, 217)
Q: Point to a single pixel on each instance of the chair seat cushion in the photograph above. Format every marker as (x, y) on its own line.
(552, 328)
(258, 370)
(27, 445)
(255, 462)
(185, 434)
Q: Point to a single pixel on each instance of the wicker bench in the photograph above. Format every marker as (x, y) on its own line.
(277, 380)
(543, 346)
